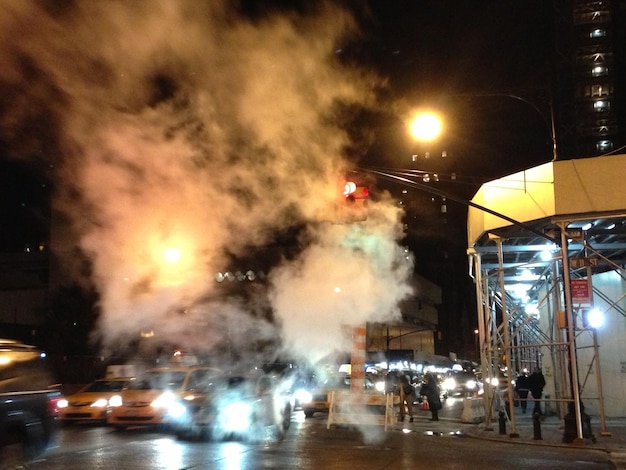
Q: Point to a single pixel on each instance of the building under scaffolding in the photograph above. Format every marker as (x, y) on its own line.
(557, 255)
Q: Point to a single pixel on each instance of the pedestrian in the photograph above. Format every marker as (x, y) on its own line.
(407, 393)
(430, 388)
(536, 382)
(521, 387)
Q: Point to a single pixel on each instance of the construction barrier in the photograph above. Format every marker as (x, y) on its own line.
(473, 411)
(361, 409)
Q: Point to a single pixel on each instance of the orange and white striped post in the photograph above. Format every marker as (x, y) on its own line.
(357, 361)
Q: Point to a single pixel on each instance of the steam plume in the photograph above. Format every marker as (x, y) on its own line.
(181, 128)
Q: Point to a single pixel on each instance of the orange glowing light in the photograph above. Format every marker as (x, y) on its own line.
(172, 255)
(426, 126)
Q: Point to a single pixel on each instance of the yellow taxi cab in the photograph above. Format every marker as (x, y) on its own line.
(317, 399)
(149, 398)
(92, 401)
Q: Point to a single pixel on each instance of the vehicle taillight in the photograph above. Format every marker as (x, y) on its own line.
(54, 403)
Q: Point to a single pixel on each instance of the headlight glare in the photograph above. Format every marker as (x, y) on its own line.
(115, 400)
(303, 396)
(235, 417)
(100, 403)
(449, 384)
(176, 409)
(164, 400)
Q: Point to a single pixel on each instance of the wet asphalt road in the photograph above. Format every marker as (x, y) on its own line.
(307, 445)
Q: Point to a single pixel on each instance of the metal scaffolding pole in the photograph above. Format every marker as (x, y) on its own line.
(571, 337)
(483, 332)
(507, 339)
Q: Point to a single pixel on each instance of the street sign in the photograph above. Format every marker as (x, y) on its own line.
(581, 291)
(575, 234)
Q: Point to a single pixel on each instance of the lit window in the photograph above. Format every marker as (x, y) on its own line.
(598, 57)
(600, 90)
(597, 33)
(604, 145)
(601, 106)
(599, 71)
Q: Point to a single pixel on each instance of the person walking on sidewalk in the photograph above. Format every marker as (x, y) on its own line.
(521, 387)
(430, 388)
(406, 391)
(536, 382)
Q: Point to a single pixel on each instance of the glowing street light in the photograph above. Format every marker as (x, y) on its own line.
(172, 255)
(426, 126)
(595, 318)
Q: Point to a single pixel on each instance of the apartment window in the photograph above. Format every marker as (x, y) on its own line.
(593, 55)
(599, 71)
(601, 106)
(596, 16)
(598, 91)
(604, 145)
(597, 33)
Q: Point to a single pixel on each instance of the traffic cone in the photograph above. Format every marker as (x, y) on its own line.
(425, 403)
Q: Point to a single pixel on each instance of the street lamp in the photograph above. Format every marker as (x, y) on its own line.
(426, 126)
(547, 116)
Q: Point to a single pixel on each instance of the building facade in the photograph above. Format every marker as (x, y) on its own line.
(590, 77)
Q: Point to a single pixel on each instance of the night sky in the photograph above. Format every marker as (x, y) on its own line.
(463, 57)
(447, 52)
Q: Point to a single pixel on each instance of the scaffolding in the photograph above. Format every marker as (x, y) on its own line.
(513, 338)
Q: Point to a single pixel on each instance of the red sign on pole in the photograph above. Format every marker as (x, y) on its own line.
(581, 292)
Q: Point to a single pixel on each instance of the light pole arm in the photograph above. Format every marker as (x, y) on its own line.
(549, 122)
(460, 200)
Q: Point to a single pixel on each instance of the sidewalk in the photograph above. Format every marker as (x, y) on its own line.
(611, 440)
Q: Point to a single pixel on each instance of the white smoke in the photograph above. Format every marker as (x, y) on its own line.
(182, 126)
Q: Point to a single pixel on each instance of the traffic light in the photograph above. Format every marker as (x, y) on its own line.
(354, 192)
(354, 206)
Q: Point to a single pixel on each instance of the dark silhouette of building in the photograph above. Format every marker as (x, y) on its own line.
(590, 77)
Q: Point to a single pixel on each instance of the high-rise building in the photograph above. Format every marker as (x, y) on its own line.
(590, 77)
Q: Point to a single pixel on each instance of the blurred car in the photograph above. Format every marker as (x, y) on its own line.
(28, 404)
(148, 398)
(317, 399)
(92, 401)
(461, 383)
(250, 408)
(500, 382)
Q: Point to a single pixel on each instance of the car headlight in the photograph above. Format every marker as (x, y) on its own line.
(115, 400)
(470, 384)
(303, 396)
(100, 403)
(235, 416)
(62, 403)
(176, 409)
(164, 401)
(449, 384)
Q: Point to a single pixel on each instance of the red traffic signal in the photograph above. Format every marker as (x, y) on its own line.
(352, 191)
(355, 207)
